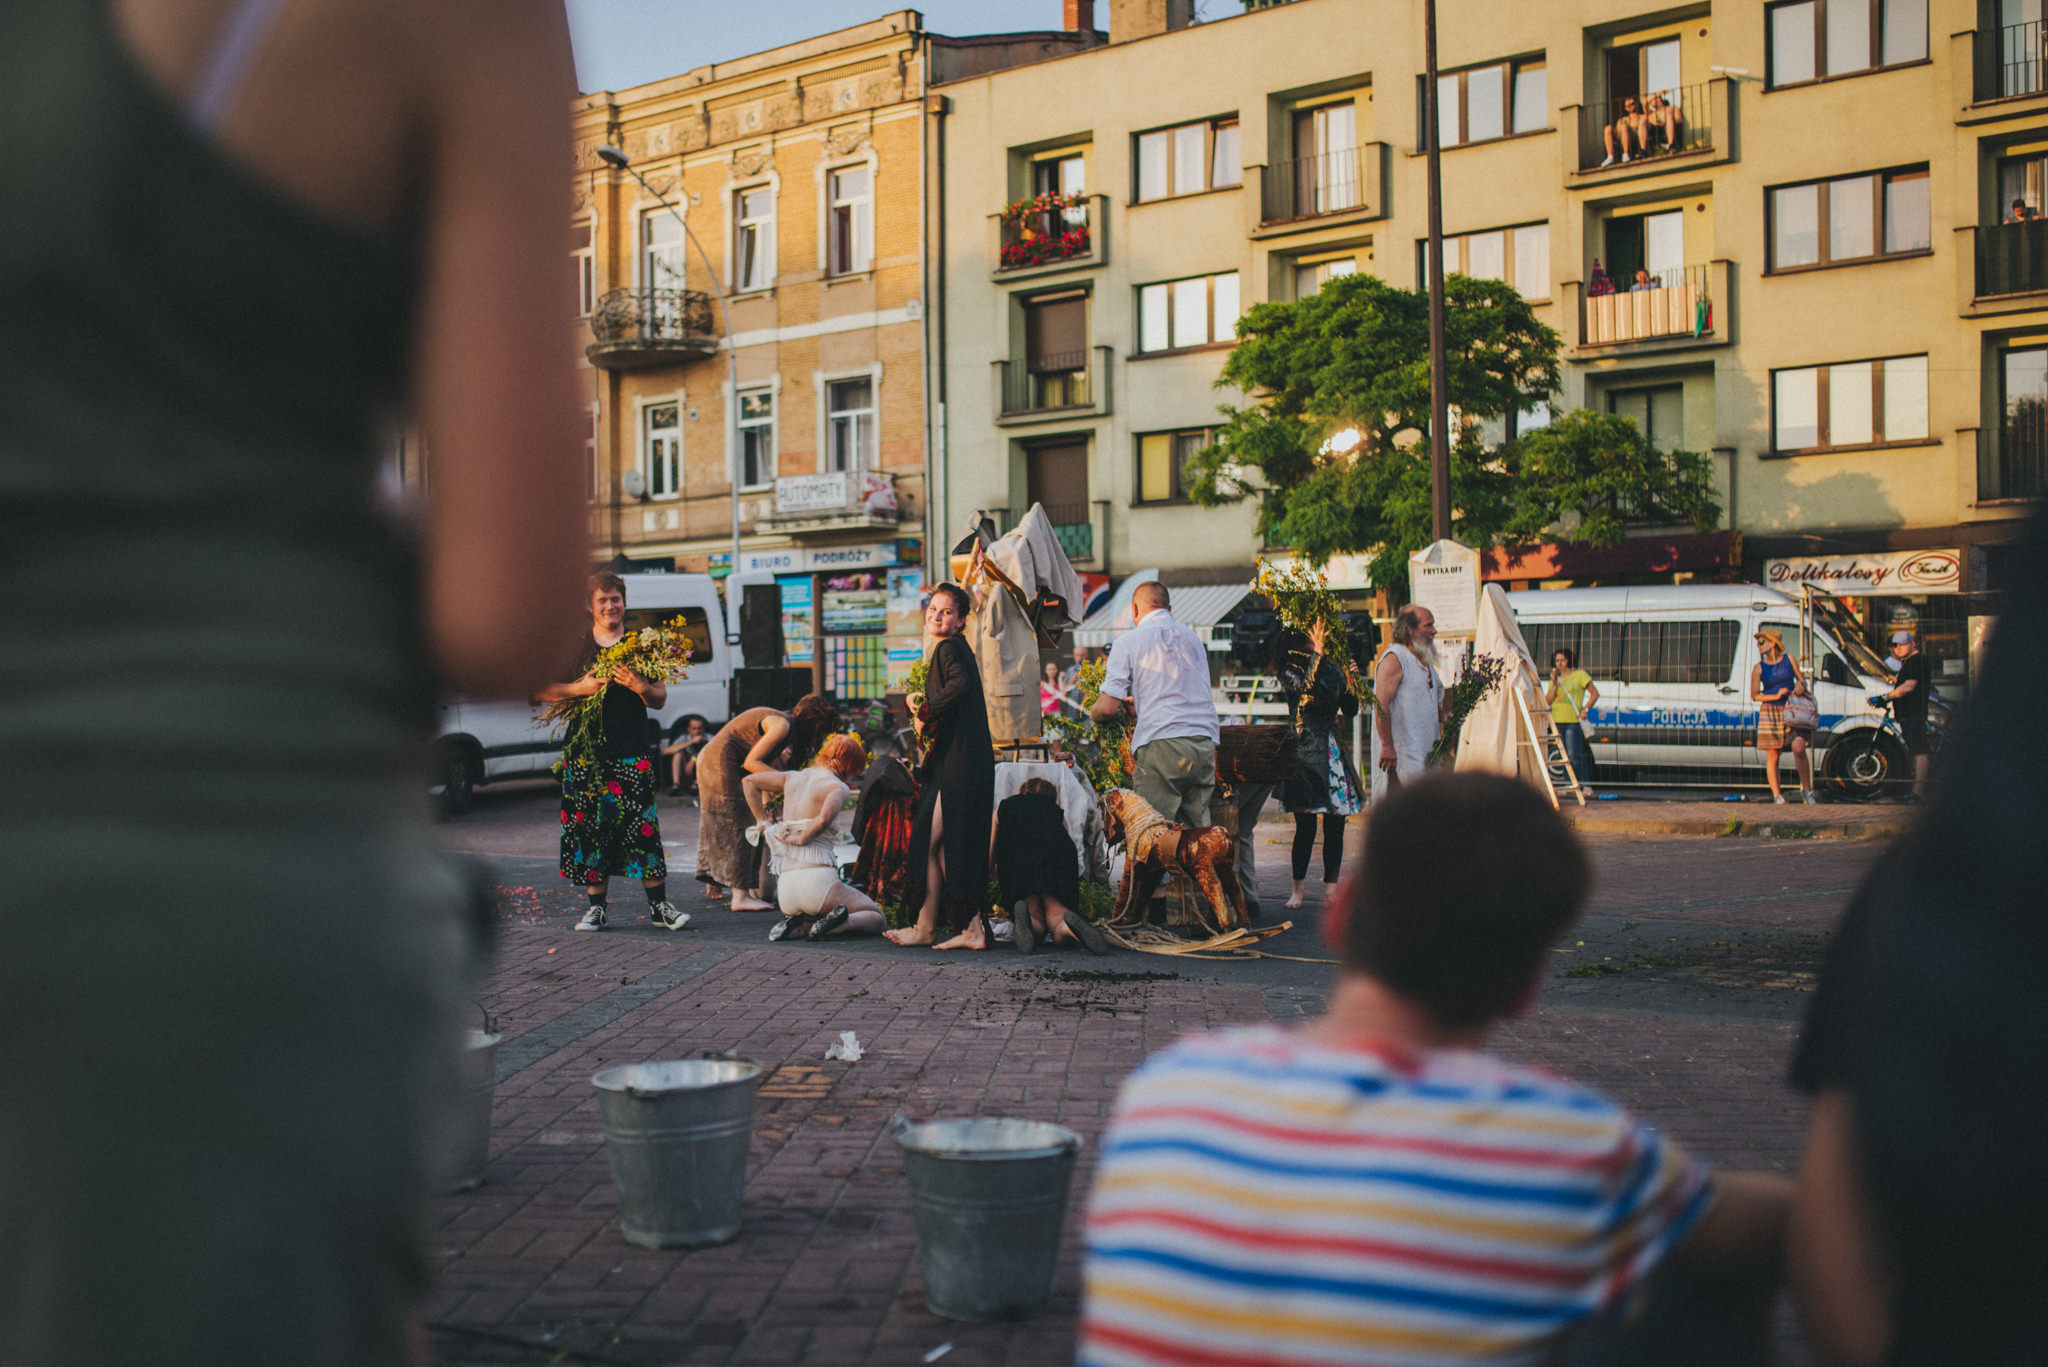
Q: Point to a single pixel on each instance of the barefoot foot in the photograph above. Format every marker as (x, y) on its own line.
(910, 937)
(971, 938)
(1293, 902)
(742, 902)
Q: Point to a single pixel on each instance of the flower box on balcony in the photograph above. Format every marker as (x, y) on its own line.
(1045, 230)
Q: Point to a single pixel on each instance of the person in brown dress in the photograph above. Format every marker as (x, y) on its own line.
(751, 743)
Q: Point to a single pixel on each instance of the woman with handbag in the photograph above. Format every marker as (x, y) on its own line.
(1786, 713)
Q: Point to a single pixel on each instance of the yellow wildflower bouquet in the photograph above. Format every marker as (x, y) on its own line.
(658, 654)
(1301, 596)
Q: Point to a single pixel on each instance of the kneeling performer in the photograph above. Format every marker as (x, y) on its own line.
(813, 899)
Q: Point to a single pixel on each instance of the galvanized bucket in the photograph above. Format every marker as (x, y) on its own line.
(470, 1144)
(677, 1133)
(989, 1196)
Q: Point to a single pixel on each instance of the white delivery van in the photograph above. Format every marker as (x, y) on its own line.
(1672, 665)
(482, 742)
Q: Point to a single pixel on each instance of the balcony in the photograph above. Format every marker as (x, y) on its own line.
(1689, 307)
(2017, 467)
(1702, 113)
(2012, 258)
(639, 329)
(1073, 526)
(2010, 62)
(1344, 185)
(836, 501)
(1071, 384)
(1050, 234)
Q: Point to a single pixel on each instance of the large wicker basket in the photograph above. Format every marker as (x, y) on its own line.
(1266, 753)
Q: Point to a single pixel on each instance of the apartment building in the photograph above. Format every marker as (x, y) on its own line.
(1839, 299)
(775, 226)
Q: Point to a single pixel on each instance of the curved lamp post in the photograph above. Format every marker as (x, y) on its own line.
(612, 156)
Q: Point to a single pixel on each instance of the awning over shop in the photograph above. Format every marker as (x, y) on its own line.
(1637, 555)
(1198, 607)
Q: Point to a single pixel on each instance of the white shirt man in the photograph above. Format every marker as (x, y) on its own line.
(1161, 669)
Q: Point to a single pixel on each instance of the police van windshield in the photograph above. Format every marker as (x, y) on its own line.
(1845, 633)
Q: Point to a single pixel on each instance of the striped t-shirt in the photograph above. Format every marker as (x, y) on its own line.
(1267, 1198)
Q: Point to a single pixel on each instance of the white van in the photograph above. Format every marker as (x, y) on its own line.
(1672, 665)
(482, 742)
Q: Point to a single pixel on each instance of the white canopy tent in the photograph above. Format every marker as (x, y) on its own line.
(1492, 739)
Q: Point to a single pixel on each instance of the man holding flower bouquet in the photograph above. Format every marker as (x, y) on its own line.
(1410, 715)
(609, 824)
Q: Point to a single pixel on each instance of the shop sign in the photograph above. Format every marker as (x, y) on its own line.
(787, 560)
(1887, 572)
(812, 493)
(867, 557)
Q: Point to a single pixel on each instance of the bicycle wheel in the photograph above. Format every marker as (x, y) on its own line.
(1869, 764)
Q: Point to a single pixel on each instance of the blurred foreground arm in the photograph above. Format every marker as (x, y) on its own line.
(495, 385)
(1838, 1276)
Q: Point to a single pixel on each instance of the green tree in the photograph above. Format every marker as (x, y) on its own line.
(1352, 361)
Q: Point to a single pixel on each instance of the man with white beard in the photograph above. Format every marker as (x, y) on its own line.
(1411, 698)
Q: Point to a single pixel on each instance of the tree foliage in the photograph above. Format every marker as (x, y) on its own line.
(1353, 359)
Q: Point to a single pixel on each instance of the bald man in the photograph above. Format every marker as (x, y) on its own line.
(1161, 669)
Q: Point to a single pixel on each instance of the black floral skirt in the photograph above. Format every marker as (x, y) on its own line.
(609, 826)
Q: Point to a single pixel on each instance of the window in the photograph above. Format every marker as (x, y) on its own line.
(1653, 242)
(1855, 403)
(1188, 159)
(2020, 180)
(753, 238)
(850, 424)
(1518, 256)
(2023, 419)
(1812, 40)
(1187, 313)
(1595, 645)
(661, 251)
(662, 452)
(1064, 173)
(1056, 350)
(1492, 102)
(851, 229)
(1657, 412)
(1162, 456)
(1056, 475)
(1855, 218)
(1677, 652)
(583, 258)
(757, 437)
(1310, 276)
(1328, 174)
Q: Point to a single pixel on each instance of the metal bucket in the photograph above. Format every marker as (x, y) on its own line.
(677, 1133)
(470, 1144)
(989, 1196)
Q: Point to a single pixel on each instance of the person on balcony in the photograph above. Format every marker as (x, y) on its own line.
(2020, 212)
(1616, 135)
(1645, 281)
(1658, 131)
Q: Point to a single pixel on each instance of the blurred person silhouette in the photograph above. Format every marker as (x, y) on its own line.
(261, 232)
(1917, 1231)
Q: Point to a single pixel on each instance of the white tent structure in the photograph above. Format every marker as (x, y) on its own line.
(1492, 740)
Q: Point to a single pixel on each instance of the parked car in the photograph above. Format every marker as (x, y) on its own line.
(1672, 665)
(484, 742)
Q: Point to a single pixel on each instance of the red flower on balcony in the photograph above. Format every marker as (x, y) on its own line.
(1043, 228)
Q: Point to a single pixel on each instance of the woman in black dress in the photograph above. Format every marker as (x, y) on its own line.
(1327, 786)
(958, 786)
(1037, 866)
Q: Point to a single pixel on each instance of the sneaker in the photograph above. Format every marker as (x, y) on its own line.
(1609, 161)
(593, 919)
(668, 916)
(1778, 798)
(1811, 798)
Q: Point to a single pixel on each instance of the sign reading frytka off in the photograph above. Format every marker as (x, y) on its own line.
(1887, 572)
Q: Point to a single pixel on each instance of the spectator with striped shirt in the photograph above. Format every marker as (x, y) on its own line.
(1375, 1188)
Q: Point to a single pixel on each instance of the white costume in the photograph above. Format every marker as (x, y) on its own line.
(1414, 718)
(804, 874)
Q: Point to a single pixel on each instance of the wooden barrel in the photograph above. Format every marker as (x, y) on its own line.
(1263, 753)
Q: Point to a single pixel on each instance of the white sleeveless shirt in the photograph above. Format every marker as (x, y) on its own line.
(1413, 718)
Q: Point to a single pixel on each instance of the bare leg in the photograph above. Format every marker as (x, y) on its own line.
(1921, 764)
(1055, 914)
(1802, 764)
(1771, 773)
(1294, 898)
(926, 931)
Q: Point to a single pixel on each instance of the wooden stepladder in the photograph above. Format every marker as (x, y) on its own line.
(1546, 746)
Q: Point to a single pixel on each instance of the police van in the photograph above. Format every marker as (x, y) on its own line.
(1672, 663)
(483, 742)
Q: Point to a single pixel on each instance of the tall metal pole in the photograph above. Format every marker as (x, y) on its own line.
(1439, 395)
(612, 156)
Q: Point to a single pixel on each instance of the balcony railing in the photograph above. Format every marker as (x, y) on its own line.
(1064, 231)
(2019, 468)
(1610, 134)
(2012, 258)
(1679, 304)
(634, 329)
(2013, 62)
(1064, 384)
(1343, 181)
(1072, 528)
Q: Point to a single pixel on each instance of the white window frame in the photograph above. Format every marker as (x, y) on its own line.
(821, 391)
(763, 227)
(1456, 255)
(1208, 128)
(773, 389)
(1217, 333)
(1455, 110)
(643, 411)
(584, 259)
(643, 274)
(865, 455)
(827, 204)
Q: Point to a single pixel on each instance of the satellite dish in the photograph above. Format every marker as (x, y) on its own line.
(634, 483)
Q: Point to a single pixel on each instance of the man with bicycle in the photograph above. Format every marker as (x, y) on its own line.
(1908, 697)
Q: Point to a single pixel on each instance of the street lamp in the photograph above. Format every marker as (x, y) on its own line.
(612, 156)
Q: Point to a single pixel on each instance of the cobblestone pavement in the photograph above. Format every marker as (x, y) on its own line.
(1682, 1000)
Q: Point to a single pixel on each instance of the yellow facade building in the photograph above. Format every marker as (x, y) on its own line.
(1816, 194)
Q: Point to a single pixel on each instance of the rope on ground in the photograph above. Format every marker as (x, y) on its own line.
(1230, 944)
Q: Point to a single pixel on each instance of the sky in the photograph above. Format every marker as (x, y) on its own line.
(621, 43)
